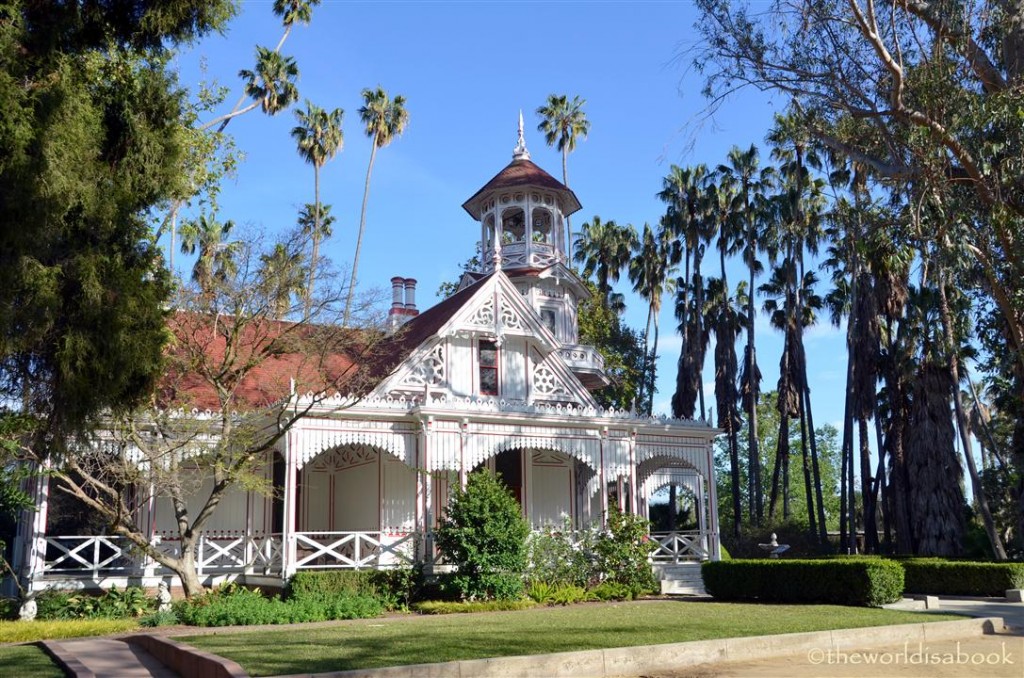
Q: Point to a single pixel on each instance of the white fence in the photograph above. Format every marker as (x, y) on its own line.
(354, 550)
(111, 556)
(680, 547)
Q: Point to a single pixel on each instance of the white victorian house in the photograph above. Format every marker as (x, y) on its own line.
(494, 376)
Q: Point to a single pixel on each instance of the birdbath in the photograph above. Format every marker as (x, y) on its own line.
(774, 548)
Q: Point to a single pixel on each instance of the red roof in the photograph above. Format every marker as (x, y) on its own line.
(521, 172)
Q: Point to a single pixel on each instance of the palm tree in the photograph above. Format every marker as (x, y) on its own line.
(385, 119)
(216, 256)
(684, 191)
(724, 320)
(562, 122)
(651, 272)
(281, 277)
(604, 249)
(319, 138)
(742, 171)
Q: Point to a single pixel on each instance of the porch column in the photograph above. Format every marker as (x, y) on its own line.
(634, 491)
(603, 473)
(288, 542)
(34, 549)
(463, 444)
(425, 491)
(716, 549)
(699, 507)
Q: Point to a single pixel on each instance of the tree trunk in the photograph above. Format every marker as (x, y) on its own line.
(846, 516)
(650, 396)
(751, 356)
(808, 485)
(359, 238)
(308, 294)
(672, 507)
(976, 485)
(868, 497)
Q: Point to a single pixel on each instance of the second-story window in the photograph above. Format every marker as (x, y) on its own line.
(488, 361)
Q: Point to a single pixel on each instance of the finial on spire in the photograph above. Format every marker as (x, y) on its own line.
(520, 152)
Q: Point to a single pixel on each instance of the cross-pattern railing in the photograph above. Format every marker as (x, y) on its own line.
(354, 550)
(107, 555)
(680, 547)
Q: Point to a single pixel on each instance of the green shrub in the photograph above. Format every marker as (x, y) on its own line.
(623, 551)
(562, 556)
(459, 607)
(610, 590)
(159, 618)
(961, 578)
(483, 535)
(395, 589)
(9, 608)
(865, 582)
(233, 605)
(26, 632)
(561, 594)
(111, 604)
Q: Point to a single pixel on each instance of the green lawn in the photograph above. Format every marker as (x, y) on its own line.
(379, 643)
(27, 660)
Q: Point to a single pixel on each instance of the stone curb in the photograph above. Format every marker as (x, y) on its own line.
(185, 659)
(66, 659)
(633, 661)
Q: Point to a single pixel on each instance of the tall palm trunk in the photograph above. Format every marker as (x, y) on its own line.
(752, 380)
(976, 485)
(359, 238)
(698, 286)
(308, 305)
(685, 396)
(654, 357)
(846, 516)
(643, 377)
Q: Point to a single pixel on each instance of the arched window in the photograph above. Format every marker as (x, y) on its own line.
(542, 226)
(513, 225)
(488, 235)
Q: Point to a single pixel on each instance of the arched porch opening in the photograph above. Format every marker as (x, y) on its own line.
(688, 533)
(550, 485)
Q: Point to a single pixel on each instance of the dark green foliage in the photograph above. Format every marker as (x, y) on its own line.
(483, 535)
(460, 607)
(8, 608)
(235, 605)
(557, 594)
(92, 141)
(611, 590)
(961, 578)
(562, 557)
(623, 551)
(158, 618)
(863, 582)
(114, 603)
(620, 346)
(394, 589)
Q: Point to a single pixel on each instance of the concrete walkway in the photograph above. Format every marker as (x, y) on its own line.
(111, 658)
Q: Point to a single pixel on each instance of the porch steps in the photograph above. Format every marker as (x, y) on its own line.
(682, 579)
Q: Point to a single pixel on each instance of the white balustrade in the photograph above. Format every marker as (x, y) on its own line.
(354, 550)
(680, 547)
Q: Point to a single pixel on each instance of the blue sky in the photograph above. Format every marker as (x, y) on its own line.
(467, 68)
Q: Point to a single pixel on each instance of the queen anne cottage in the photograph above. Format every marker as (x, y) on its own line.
(494, 376)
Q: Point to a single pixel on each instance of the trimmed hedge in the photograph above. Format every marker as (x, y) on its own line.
(395, 589)
(956, 578)
(867, 583)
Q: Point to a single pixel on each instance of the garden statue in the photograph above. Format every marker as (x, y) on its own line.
(163, 597)
(28, 610)
(774, 548)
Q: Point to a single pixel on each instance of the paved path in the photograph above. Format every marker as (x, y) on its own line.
(108, 658)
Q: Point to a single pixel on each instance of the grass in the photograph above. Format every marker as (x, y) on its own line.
(376, 644)
(27, 660)
(23, 632)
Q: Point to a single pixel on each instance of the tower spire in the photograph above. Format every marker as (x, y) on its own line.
(520, 152)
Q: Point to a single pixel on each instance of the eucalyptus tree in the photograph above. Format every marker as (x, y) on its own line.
(384, 119)
(319, 138)
(604, 248)
(684, 192)
(651, 272)
(753, 208)
(563, 121)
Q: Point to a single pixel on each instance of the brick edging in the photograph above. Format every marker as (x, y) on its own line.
(185, 659)
(65, 659)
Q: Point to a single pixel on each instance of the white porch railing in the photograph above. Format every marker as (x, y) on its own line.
(107, 555)
(354, 550)
(680, 547)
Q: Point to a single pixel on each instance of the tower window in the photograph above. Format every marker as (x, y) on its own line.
(513, 225)
(488, 361)
(547, 316)
(541, 226)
